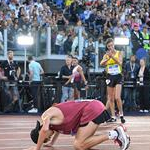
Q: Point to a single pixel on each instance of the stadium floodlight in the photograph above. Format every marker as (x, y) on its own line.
(121, 41)
(25, 40)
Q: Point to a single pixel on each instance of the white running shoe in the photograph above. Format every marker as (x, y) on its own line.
(33, 110)
(123, 139)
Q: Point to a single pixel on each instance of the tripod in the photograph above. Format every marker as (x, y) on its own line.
(92, 89)
(25, 96)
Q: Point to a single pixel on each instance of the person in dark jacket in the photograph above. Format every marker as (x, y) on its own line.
(136, 39)
(143, 77)
(130, 76)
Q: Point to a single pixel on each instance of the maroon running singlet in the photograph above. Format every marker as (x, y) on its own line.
(77, 113)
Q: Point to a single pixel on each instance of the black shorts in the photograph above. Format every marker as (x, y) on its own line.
(100, 119)
(77, 85)
(113, 80)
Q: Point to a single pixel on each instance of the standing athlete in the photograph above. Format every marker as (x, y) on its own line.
(79, 118)
(112, 60)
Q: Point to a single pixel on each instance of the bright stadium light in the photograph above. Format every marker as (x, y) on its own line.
(25, 40)
(121, 41)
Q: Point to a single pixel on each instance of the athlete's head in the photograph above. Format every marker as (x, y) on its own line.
(75, 61)
(110, 44)
(35, 133)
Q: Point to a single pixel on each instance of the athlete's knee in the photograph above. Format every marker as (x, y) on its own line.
(78, 145)
(118, 98)
(111, 101)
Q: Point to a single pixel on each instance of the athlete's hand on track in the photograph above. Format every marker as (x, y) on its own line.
(48, 144)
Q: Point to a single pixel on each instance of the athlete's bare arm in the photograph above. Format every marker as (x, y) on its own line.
(52, 116)
(52, 140)
(104, 60)
(118, 61)
(82, 74)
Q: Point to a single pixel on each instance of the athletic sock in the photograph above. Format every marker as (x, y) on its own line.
(121, 115)
(112, 135)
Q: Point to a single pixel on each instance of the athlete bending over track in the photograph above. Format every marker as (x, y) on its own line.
(79, 118)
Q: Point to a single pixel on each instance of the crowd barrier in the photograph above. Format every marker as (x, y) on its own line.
(51, 92)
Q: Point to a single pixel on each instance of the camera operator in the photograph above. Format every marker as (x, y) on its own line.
(89, 53)
(12, 72)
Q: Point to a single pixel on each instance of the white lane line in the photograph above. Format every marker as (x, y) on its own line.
(15, 128)
(15, 139)
(70, 137)
(17, 121)
(34, 121)
(23, 147)
(99, 130)
(14, 133)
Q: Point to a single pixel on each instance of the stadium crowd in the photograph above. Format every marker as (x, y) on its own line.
(100, 19)
(97, 19)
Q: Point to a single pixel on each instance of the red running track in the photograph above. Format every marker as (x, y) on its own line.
(15, 130)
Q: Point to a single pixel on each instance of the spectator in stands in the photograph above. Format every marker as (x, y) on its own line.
(75, 44)
(74, 12)
(130, 75)
(125, 31)
(12, 72)
(146, 39)
(143, 77)
(68, 2)
(136, 39)
(67, 45)
(59, 43)
(65, 74)
(79, 26)
(117, 30)
(106, 34)
(61, 20)
(35, 72)
(39, 4)
(99, 21)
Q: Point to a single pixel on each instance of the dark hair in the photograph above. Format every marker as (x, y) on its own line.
(30, 58)
(70, 56)
(109, 40)
(34, 134)
(74, 57)
(10, 51)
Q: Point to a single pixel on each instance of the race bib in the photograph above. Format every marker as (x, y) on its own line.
(113, 69)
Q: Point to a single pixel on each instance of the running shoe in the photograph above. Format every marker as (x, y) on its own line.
(122, 119)
(123, 139)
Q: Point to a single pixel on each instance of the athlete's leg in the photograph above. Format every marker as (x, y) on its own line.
(118, 97)
(76, 93)
(119, 101)
(84, 138)
(110, 100)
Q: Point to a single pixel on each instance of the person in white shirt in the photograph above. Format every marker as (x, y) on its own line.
(35, 72)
